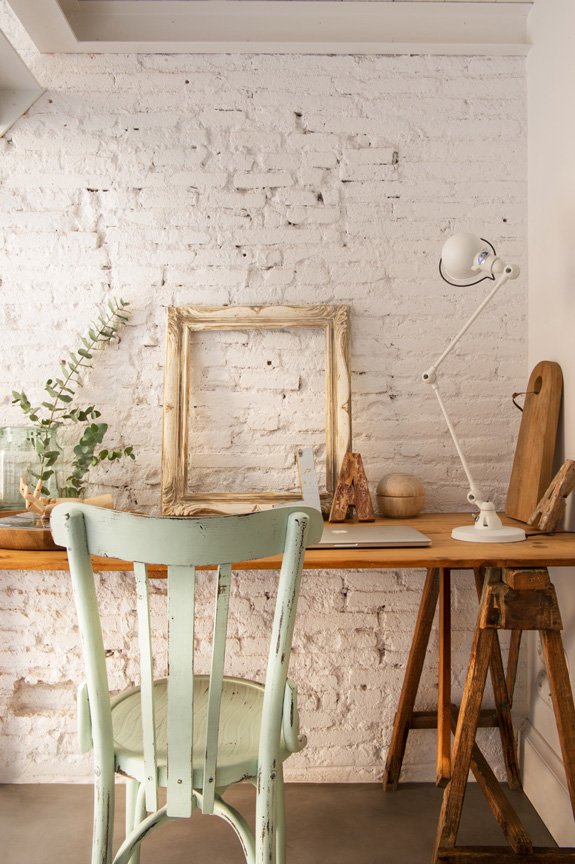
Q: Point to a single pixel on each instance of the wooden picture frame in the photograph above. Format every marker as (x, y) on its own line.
(182, 322)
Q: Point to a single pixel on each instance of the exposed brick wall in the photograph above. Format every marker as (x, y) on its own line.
(262, 179)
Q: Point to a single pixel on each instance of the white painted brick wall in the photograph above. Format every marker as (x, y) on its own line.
(262, 179)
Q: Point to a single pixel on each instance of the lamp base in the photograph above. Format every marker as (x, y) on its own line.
(479, 534)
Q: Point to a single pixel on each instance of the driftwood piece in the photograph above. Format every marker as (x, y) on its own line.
(41, 504)
(550, 510)
(352, 491)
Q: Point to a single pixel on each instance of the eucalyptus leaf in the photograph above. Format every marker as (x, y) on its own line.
(51, 415)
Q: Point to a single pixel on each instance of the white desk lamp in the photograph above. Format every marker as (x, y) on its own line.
(467, 260)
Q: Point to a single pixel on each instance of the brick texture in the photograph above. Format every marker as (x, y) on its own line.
(173, 180)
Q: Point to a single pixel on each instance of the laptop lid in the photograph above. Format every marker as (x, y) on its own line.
(366, 535)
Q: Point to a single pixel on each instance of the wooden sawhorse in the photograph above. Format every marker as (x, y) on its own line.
(515, 600)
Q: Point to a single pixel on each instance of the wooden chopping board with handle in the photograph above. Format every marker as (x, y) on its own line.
(533, 463)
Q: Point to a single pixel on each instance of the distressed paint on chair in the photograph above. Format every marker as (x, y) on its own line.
(193, 734)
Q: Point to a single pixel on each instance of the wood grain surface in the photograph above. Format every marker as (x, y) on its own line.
(539, 550)
(533, 462)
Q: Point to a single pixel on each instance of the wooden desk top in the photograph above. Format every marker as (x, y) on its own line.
(540, 550)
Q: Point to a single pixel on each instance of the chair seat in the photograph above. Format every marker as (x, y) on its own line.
(238, 742)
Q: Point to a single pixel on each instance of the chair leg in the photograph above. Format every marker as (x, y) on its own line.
(280, 819)
(236, 820)
(266, 808)
(103, 817)
(135, 811)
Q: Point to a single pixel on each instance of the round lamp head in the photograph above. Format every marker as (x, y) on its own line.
(460, 258)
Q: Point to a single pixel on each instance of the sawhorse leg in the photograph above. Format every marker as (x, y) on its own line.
(437, 587)
(404, 715)
(524, 600)
(503, 696)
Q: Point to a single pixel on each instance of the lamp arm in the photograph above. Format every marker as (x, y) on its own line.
(474, 496)
(506, 274)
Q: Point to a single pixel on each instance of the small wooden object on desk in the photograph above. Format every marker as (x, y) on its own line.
(400, 496)
(352, 491)
(549, 513)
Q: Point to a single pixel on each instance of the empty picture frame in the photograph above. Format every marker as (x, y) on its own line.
(179, 498)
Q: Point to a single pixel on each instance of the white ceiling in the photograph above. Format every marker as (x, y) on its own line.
(277, 26)
(18, 87)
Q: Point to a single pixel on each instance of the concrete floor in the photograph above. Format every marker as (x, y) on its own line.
(341, 824)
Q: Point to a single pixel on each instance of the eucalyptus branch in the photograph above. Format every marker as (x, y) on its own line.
(56, 410)
(97, 335)
(86, 457)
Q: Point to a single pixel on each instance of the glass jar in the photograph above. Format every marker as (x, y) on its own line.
(62, 471)
(18, 459)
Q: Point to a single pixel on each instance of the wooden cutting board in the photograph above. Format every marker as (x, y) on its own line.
(533, 463)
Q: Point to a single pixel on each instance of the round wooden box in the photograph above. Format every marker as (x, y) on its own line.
(400, 496)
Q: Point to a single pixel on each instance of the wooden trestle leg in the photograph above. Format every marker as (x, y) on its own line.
(403, 717)
(562, 699)
(523, 600)
(443, 753)
(437, 587)
(503, 702)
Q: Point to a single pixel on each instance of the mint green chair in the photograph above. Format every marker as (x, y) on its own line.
(195, 735)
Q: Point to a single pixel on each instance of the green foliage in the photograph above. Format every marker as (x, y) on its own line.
(56, 410)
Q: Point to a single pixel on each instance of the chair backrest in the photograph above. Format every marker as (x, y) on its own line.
(182, 545)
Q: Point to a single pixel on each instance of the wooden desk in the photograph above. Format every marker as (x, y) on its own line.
(515, 593)
(540, 550)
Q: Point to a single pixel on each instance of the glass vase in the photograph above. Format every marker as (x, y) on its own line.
(18, 459)
(63, 469)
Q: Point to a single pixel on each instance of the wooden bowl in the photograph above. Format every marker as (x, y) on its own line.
(400, 496)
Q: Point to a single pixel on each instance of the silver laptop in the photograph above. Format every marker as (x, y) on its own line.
(366, 536)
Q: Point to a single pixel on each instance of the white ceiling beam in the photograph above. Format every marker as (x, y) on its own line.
(275, 26)
(18, 87)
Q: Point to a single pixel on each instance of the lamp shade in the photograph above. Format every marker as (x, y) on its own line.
(459, 256)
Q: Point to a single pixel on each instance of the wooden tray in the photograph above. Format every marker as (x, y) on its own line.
(25, 531)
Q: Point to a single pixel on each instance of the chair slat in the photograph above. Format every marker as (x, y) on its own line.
(216, 677)
(147, 686)
(181, 599)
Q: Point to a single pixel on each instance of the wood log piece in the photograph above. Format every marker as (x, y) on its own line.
(352, 491)
(550, 511)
